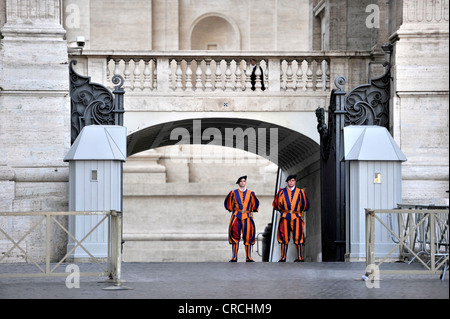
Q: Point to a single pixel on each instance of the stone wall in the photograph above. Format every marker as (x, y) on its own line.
(35, 116)
(171, 24)
(420, 101)
(35, 107)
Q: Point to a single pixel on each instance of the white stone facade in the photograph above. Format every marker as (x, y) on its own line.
(35, 104)
(34, 107)
(420, 103)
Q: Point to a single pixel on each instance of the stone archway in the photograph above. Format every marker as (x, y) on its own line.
(180, 206)
(214, 31)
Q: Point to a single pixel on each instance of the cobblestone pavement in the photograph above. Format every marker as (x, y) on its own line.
(187, 281)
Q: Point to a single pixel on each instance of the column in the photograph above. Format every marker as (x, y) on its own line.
(35, 110)
(420, 99)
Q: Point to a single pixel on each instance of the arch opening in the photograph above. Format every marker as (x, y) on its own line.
(214, 32)
(180, 216)
(288, 149)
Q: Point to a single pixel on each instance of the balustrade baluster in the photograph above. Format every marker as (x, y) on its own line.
(282, 83)
(136, 82)
(309, 75)
(266, 75)
(299, 75)
(248, 74)
(147, 76)
(319, 75)
(238, 74)
(179, 76)
(198, 75)
(218, 80)
(155, 75)
(188, 76)
(117, 66)
(208, 73)
(289, 75)
(126, 75)
(258, 85)
(228, 76)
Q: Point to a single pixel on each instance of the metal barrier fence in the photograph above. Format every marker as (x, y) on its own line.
(114, 253)
(421, 235)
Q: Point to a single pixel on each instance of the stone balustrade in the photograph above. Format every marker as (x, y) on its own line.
(225, 71)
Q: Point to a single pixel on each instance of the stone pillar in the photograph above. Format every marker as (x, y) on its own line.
(163, 74)
(165, 28)
(420, 99)
(274, 70)
(34, 109)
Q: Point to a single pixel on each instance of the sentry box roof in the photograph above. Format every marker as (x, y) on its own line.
(99, 142)
(370, 143)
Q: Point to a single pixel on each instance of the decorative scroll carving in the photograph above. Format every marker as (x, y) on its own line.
(92, 103)
(368, 104)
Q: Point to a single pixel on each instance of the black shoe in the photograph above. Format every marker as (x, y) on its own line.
(250, 261)
(298, 260)
(282, 260)
(232, 261)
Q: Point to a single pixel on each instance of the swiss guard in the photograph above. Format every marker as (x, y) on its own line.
(291, 202)
(242, 203)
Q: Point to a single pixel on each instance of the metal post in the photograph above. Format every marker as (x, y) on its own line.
(118, 92)
(340, 113)
(370, 237)
(47, 244)
(118, 248)
(367, 237)
(116, 252)
(432, 241)
(109, 258)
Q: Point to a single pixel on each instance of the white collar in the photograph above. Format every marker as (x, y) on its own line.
(291, 189)
(243, 189)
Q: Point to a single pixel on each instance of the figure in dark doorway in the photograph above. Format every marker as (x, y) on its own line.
(255, 67)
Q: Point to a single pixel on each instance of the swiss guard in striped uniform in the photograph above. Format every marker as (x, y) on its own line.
(291, 202)
(241, 203)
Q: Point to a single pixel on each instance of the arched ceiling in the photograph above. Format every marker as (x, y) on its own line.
(285, 147)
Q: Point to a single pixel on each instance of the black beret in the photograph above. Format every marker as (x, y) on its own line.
(291, 177)
(242, 177)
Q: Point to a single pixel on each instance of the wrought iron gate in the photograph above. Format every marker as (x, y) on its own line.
(92, 103)
(366, 104)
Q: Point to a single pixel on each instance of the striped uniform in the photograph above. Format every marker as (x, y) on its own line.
(241, 205)
(291, 205)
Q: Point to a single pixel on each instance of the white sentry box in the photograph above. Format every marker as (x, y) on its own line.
(95, 184)
(373, 180)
